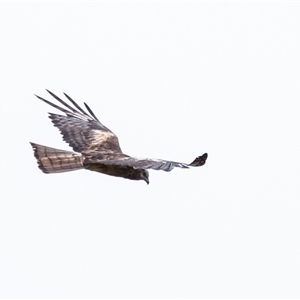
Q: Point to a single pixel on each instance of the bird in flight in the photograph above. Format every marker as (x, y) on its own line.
(96, 148)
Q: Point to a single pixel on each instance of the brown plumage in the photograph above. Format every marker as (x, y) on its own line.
(96, 147)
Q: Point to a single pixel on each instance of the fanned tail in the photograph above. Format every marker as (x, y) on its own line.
(51, 160)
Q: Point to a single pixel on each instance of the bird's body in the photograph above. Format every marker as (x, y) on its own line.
(96, 148)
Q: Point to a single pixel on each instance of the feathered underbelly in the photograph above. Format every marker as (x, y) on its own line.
(112, 170)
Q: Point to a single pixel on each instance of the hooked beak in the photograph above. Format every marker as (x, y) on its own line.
(147, 180)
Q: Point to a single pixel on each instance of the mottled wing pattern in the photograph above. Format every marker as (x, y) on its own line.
(82, 131)
(145, 163)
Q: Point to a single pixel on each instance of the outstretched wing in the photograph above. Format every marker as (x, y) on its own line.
(145, 163)
(82, 131)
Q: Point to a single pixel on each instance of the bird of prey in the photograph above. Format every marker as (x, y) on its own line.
(96, 148)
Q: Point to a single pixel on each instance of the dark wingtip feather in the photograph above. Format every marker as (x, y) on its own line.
(53, 95)
(199, 161)
(91, 112)
(62, 102)
(39, 97)
(49, 92)
(76, 105)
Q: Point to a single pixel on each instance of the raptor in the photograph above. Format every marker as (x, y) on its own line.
(96, 148)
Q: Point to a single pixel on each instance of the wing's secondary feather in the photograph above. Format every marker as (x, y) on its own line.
(83, 132)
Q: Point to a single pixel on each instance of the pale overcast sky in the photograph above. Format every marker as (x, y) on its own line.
(173, 81)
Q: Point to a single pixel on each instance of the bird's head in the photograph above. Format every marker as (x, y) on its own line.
(144, 175)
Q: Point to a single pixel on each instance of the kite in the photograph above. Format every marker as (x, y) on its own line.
(96, 148)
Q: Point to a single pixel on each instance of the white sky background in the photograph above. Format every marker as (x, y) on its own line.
(172, 80)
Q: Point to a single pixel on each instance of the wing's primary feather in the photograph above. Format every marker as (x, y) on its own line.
(199, 161)
(62, 102)
(83, 132)
(90, 111)
(77, 106)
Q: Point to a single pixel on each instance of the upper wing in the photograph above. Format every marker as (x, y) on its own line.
(145, 163)
(82, 131)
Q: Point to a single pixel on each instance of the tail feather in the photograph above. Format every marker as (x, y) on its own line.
(51, 160)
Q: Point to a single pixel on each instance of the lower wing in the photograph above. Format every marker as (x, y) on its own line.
(145, 163)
